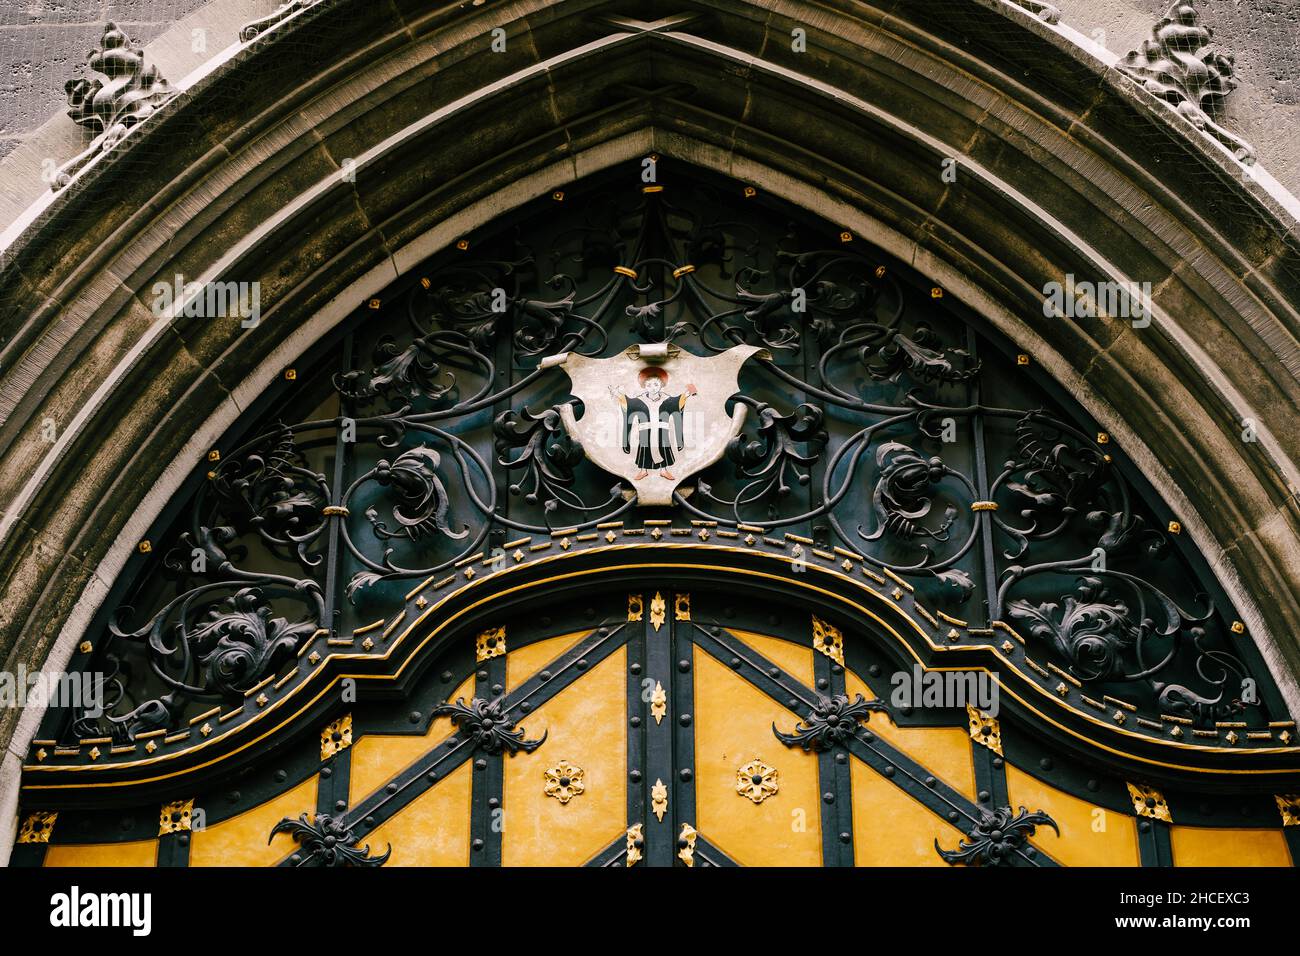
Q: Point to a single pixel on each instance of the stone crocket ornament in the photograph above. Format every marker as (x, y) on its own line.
(654, 414)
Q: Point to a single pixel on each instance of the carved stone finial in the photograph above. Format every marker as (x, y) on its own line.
(121, 93)
(1184, 67)
(1046, 12)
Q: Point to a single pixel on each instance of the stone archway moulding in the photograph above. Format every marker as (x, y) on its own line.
(127, 390)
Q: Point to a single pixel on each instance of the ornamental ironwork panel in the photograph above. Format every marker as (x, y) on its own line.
(873, 429)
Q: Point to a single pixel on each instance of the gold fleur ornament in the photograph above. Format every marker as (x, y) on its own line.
(491, 643)
(1149, 802)
(828, 640)
(659, 799)
(175, 817)
(38, 826)
(756, 780)
(564, 781)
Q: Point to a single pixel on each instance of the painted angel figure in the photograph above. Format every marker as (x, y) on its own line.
(652, 424)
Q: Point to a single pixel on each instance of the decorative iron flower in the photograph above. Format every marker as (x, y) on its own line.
(488, 728)
(832, 722)
(327, 841)
(997, 837)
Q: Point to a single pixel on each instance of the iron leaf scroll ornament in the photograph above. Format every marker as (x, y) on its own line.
(997, 838)
(832, 722)
(326, 841)
(486, 727)
(861, 436)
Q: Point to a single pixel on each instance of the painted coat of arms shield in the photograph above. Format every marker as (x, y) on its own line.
(654, 415)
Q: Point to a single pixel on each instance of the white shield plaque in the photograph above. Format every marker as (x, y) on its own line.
(654, 414)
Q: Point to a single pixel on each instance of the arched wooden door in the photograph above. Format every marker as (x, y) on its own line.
(676, 728)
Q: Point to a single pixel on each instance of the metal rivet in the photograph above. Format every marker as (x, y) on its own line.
(683, 666)
(684, 720)
(327, 772)
(525, 706)
(497, 689)
(545, 675)
(480, 764)
(930, 781)
(953, 815)
(340, 805)
(823, 683)
(493, 802)
(774, 672)
(845, 837)
(828, 797)
(413, 716)
(446, 677)
(391, 788)
(1094, 786)
(478, 845)
(635, 668)
(482, 675)
(431, 776)
(841, 758)
(984, 796)
(635, 721)
(281, 776)
(635, 776)
(685, 775)
(1045, 763)
(581, 664)
(735, 663)
(1144, 826)
(997, 762)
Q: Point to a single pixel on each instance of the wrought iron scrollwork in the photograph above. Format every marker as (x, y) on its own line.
(868, 436)
(834, 721)
(327, 841)
(487, 727)
(999, 836)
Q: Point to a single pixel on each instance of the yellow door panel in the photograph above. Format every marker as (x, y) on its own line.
(586, 726)
(378, 758)
(1208, 846)
(135, 853)
(241, 840)
(1080, 842)
(790, 657)
(733, 726)
(433, 829)
(892, 829)
(944, 751)
(527, 661)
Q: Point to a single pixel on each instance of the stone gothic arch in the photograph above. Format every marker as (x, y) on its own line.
(328, 157)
